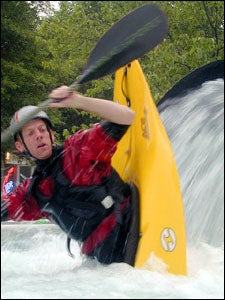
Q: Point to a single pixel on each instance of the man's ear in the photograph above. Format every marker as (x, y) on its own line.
(19, 146)
(52, 137)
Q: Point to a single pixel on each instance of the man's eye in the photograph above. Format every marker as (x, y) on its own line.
(29, 133)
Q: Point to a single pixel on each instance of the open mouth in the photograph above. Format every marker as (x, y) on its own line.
(41, 146)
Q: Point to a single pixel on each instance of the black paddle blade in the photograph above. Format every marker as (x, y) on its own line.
(128, 39)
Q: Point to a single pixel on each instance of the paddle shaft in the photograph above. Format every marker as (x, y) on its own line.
(132, 36)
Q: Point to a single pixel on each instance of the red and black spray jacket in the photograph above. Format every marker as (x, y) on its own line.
(76, 187)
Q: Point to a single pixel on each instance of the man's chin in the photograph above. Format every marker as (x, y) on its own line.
(42, 156)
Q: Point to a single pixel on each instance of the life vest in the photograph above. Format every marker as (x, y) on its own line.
(77, 209)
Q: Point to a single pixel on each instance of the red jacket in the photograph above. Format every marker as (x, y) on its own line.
(86, 163)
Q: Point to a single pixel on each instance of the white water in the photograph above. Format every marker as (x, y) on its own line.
(35, 264)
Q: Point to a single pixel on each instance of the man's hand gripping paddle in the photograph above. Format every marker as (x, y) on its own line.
(128, 39)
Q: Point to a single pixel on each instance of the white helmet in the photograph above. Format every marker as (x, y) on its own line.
(23, 112)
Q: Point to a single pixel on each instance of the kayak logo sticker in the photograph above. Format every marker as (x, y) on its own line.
(145, 125)
(168, 239)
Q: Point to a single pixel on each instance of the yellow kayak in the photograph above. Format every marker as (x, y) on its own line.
(145, 157)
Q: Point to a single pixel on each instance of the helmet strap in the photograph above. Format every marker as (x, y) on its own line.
(49, 131)
(26, 152)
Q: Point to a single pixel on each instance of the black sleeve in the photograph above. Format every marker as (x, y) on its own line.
(116, 131)
(4, 212)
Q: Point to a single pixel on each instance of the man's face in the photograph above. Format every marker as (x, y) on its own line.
(37, 139)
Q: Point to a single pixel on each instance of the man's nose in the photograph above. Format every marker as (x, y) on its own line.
(38, 134)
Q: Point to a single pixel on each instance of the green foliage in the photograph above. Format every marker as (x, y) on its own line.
(18, 58)
(40, 52)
